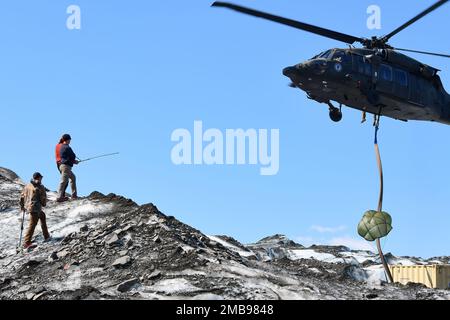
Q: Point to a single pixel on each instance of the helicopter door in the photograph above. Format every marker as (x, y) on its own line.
(362, 66)
(401, 84)
(415, 89)
(385, 83)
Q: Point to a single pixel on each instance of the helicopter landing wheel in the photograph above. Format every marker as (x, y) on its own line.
(335, 113)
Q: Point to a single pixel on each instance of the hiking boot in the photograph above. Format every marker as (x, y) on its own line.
(63, 199)
(27, 245)
(49, 238)
(74, 197)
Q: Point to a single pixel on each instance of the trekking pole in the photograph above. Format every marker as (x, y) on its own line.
(21, 231)
(100, 156)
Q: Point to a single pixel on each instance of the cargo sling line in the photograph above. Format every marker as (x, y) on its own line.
(380, 198)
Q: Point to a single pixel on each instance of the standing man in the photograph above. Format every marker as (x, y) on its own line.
(32, 200)
(65, 159)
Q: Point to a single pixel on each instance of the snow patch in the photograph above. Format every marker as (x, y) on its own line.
(207, 296)
(177, 285)
(361, 256)
(73, 217)
(310, 254)
(228, 245)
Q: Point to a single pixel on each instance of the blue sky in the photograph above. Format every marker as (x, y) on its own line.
(138, 70)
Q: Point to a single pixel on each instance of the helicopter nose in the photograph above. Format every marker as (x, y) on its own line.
(298, 70)
(295, 73)
(289, 71)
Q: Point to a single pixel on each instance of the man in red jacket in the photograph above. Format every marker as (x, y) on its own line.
(65, 159)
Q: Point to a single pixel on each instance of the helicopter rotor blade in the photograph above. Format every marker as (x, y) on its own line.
(410, 22)
(292, 23)
(424, 52)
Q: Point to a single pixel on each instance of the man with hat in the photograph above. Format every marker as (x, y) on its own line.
(32, 200)
(65, 159)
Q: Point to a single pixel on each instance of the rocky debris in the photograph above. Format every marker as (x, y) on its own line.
(155, 274)
(83, 293)
(127, 285)
(53, 256)
(329, 249)
(10, 189)
(118, 200)
(39, 295)
(112, 239)
(10, 175)
(62, 254)
(156, 239)
(273, 247)
(280, 240)
(122, 261)
(24, 288)
(234, 242)
(125, 251)
(371, 296)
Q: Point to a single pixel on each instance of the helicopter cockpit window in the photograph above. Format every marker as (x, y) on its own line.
(401, 77)
(341, 56)
(326, 55)
(385, 72)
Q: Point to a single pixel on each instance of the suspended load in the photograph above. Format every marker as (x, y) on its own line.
(375, 225)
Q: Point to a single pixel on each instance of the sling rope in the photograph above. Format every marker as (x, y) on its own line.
(380, 198)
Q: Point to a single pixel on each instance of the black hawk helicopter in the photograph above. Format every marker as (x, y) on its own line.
(376, 79)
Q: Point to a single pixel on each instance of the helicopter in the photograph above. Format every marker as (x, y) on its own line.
(375, 79)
